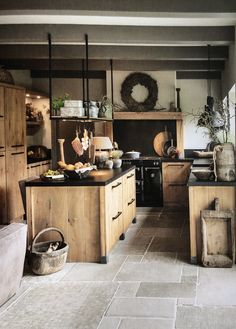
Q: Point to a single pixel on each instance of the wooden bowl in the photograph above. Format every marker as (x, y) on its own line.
(203, 174)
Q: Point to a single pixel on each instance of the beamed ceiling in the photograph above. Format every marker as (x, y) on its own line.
(136, 35)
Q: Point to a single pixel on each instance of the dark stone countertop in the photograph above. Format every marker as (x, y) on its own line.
(100, 177)
(194, 182)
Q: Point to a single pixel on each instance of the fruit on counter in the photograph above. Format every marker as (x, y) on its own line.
(70, 167)
(51, 172)
(79, 165)
(62, 164)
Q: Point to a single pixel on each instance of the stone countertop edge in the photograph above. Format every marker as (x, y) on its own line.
(194, 182)
(100, 177)
(177, 159)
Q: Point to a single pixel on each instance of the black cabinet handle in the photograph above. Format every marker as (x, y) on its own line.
(132, 200)
(16, 153)
(35, 166)
(180, 184)
(1, 147)
(1, 116)
(118, 215)
(17, 145)
(1, 155)
(131, 175)
(114, 186)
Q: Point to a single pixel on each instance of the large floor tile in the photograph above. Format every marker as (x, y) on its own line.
(60, 305)
(142, 307)
(167, 290)
(147, 324)
(161, 257)
(109, 323)
(95, 272)
(170, 244)
(190, 317)
(129, 249)
(127, 289)
(150, 272)
(217, 286)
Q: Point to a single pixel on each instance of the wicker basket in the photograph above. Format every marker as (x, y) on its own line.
(43, 262)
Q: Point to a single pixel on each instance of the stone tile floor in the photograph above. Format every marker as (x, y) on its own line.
(148, 284)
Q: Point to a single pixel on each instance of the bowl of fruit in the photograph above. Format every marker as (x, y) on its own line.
(77, 171)
(53, 175)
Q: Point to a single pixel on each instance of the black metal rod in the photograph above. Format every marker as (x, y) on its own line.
(112, 91)
(87, 79)
(209, 70)
(83, 82)
(50, 72)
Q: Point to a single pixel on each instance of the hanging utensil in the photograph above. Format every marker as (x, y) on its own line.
(77, 145)
(61, 142)
(159, 141)
(85, 140)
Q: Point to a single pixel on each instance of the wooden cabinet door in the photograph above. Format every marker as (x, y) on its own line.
(129, 198)
(15, 119)
(175, 177)
(115, 211)
(2, 128)
(16, 171)
(84, 224)
(2, 135)
(3, 216)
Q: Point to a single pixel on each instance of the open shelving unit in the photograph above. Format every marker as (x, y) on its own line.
(86, 100)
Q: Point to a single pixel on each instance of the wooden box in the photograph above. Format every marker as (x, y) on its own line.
(218, 249)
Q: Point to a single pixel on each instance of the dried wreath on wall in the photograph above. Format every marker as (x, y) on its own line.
(127, 88)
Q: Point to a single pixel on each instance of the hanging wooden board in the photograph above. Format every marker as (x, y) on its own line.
(218, 238)
(159, 142)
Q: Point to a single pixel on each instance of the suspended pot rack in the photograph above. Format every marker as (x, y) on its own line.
(85, 78)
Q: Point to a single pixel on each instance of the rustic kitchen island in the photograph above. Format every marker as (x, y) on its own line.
(93, 212)
(201, 197)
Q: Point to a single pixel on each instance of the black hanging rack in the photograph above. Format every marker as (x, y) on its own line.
(85, 76)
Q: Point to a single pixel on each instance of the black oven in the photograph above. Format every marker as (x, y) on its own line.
(149, 191)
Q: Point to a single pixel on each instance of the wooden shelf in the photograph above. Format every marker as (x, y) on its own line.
(148, 116)
(84, 118)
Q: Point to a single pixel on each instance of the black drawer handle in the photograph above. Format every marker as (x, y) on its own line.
(17, 145)
(118, 215)
(1, 156)
(1, 147)
(131, 175)
(132, 200)
(114, 186)
(180, 184)
(175, 165)
(1, 116)
(16, 153)
(35, 166)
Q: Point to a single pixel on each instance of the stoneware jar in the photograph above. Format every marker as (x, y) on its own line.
(117, 163)
(224, 162)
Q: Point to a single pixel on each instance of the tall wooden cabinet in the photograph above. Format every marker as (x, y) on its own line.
(12, 150)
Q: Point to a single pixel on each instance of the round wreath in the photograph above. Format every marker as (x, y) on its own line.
(145, 80)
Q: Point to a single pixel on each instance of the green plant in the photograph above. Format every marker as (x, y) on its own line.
(58, 102)
(215, 118)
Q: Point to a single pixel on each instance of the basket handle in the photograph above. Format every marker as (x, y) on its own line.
(47, 230)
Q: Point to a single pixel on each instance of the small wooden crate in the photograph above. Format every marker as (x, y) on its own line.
(218, 239)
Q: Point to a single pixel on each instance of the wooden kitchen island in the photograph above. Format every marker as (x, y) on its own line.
(201, 197)
(93, 212)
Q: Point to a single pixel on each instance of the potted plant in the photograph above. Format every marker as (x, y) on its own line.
(116, 155)
(58, 102)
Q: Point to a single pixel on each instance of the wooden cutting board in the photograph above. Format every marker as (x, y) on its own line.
(159, 142)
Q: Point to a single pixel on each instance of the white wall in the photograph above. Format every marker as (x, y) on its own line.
(165, 81)
(193, 97)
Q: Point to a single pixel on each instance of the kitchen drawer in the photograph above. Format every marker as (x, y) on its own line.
(175, 194)
(175, 172)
